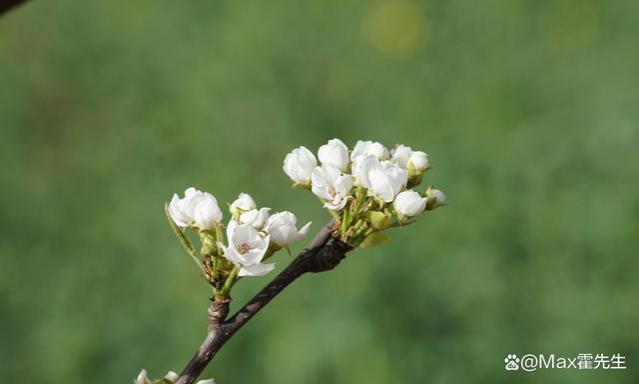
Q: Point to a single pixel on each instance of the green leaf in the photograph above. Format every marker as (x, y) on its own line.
(379, 220)
(374, 239)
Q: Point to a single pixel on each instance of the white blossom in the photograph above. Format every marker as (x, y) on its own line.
(365, 148)
(387, 180)
(243, 203)
(171, 376)
(183, 211)
(415, 161)
(299, 165)
(282, 227)
(409, 203)
(255, 217)
(335, 152)
(362, 167)
(384, 179)
(332, 186)
(246, 249)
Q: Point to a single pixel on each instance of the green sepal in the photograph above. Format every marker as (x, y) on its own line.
(414, 181)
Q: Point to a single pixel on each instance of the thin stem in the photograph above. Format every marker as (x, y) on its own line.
(359, 227)
(228, 284)
(346, 221)
(186, 244)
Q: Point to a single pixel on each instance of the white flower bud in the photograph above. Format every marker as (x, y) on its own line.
(171, 376)
(335, 152)
(387, 181)
(401, 154)
(362, 167)
(243, 203)
(282, 227)
(436, 198)
(299, 165)
(179, 217)
(378, 150)
(182, 211)
(365, 148)
(418, 162)
(255, 217)
(208, 381)
(207, 213)
(409, 203)
(142, 378)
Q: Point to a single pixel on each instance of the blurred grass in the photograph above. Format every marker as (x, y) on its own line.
(528, 110)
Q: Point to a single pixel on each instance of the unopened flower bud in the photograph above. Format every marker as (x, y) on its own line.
(299, 165)
(409, 203)
(436, 198)
(335, 152)
(243, 203)
(182, 210)
(366, 148)
(282, 227)
(142, 378)
(417, 163)
(255, 217)
(401, 154)
(207, 213)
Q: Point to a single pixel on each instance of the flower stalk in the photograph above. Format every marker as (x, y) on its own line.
(184, 241)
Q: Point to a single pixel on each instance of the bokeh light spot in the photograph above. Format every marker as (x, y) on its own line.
(395, 27)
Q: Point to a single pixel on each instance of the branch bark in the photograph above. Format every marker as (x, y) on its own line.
(6, 5)
(323, 253)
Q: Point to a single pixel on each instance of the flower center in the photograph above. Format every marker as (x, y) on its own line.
(243, 248)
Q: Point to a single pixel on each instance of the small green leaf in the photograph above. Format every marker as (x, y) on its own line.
(374, 239)
(379, 220)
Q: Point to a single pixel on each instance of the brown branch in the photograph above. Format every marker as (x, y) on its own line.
(323, 253)
(6, 5)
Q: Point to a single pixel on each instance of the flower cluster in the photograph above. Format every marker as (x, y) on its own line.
(368, 189)
(252, 235)
(169, 378)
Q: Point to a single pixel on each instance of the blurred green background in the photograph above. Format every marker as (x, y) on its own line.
(529, 111)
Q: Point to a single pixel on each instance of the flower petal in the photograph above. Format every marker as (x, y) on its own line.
(256, 269)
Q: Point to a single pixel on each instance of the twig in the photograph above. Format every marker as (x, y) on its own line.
(323, 253)
(6, 5)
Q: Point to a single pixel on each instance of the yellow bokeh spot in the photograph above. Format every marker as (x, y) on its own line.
(395, 27)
